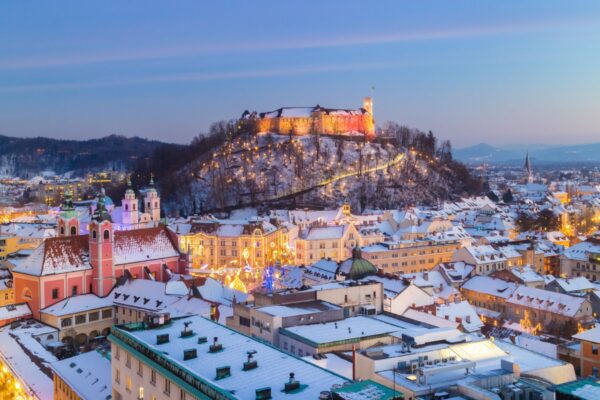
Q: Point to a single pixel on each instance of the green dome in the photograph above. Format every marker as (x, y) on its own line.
(357, 267)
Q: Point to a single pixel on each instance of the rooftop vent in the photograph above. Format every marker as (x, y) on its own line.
(263, 393)
(162, 339)
(202, 339)
(216, 346)
(189, 354)
(292, 384)
(251, 363)
(187, 332)
(223, 372)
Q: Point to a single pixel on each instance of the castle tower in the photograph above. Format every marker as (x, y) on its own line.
(101, 249)
(369, 121)
(527, 169)
(129, 206)
(68, 223)
(152, 202)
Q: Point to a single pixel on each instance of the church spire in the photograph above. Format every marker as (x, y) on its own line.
(528, 170)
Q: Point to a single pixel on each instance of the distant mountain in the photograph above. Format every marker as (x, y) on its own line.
(515, 154)
(27, 157)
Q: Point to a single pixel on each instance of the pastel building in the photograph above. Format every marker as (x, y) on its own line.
(73, 264)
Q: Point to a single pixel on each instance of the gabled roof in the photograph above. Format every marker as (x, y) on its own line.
(140, 245)
(71, 253)
(57, 255)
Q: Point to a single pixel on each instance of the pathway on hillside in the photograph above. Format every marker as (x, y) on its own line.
(339, 177)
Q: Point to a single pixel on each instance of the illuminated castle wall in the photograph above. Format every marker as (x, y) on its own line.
(311, 120)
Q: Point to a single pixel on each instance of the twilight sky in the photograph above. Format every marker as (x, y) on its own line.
(501, 72)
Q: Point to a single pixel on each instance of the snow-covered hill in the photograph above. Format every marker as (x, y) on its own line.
(309, 170)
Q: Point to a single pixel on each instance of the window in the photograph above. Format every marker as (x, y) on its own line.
(595, 350)
(106, 234)
(181, 394)
(62, 230)
(73, 231)
(140, 368)
(94, 234)
(106, 314)
(74, 291)
(141, 393)
(153, 377)
(167, 387)
(80, 319)
(93, 316)
(55, 293)
(244, 321)
(128, 360)
(128, 384)
(118, 353)
(66, 322)
(117, 375)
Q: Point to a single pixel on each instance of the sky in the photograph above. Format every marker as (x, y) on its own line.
(499, 72)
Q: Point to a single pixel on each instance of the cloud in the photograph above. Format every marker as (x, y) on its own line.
(207, 76)
(171, 52)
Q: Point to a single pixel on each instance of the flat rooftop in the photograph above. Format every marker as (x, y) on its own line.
(274, 366)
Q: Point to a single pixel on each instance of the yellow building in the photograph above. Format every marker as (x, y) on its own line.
(231, 243)
(83, 377)
(9, 244)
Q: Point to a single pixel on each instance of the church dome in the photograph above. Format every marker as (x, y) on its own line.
(357, 267)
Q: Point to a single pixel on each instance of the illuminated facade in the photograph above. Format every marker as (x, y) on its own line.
(309, 120)
(217, 244)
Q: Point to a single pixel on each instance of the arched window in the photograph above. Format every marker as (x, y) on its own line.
(73, 230)
(134, 207)
(94, 235)
(62, 230)
(148, 204)
(106, 234)
(156, 204)
(126, 207)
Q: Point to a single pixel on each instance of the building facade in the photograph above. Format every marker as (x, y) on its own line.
(313, 120)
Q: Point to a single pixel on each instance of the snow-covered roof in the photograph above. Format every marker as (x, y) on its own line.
(215, 291)
(64, 254)
(76, 304)
(87, 374)
(274, 366)
(527, 274)
(492, 286)
(575, 284)
(591, 335)
(142, 245)
(14, 311)
(325, 232)
(57, 255)
(429, 319)
(28, 360)
(354, 328)
(546, 300)
(463, 310)
(298, 309)
(582, 251)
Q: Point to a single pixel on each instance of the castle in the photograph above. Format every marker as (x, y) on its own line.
(311, 120)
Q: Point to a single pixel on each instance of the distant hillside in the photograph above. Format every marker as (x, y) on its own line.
(27, 157)
(542, 154)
